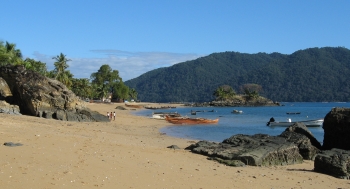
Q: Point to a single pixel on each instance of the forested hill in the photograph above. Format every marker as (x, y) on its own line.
(310, 75)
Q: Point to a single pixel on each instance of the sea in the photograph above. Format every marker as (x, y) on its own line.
(252, 121)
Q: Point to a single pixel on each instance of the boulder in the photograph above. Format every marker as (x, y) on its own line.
(37, 95)
(5, 91)
(8, 108)
(335, 162)
(307, 144)
(336, 127)
(255, 150)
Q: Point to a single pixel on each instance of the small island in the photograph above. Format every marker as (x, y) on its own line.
(225, 96)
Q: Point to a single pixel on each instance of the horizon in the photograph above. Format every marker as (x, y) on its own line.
(136, 37)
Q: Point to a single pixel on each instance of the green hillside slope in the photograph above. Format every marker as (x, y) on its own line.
(310, 75)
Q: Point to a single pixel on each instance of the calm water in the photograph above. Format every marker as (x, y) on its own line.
(252, 121)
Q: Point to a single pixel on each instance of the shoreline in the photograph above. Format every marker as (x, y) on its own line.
(129, 152)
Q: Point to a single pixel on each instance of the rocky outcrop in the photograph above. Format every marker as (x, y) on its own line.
(8, 108)
(261, 101)
(5, 91)
(37, 95)
(256, 150)
(336, 127)
(335, 162)
(306, 142)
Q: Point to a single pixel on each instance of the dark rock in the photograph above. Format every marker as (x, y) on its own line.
(233, 163)
(335, 162)
(120, 108)
(37, 95)
(299, 134)
(336, 127)
(11, 144)
(175, 147)
(256, 150)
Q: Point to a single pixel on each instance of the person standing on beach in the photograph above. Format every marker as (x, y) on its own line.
(114, 115)
(108, 115)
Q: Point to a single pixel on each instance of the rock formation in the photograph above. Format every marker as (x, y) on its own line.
(256, 150)
(40, 96)
(336, 127)
(335, 159)
(335, 162)
(306, 142)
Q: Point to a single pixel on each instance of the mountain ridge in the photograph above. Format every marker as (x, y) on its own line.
(310, 75)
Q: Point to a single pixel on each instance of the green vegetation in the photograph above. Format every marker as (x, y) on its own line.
(310, 75)
(103, 82)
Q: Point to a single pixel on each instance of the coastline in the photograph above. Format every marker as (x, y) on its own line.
(129, 152)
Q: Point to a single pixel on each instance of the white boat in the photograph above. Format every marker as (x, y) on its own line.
(237, 111)
(307, 123)
(161, 115)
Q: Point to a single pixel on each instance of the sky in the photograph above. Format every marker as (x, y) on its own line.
(137, 36)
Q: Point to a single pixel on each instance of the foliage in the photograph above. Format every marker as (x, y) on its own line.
(82, 87)
(37, 66)
(60, 65)
(224, 92)
(109, 81)
(310, 75)
(251, 90)
(9, 54)
(133, 94)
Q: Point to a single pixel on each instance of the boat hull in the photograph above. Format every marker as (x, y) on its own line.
(309, 123)
(184, 120)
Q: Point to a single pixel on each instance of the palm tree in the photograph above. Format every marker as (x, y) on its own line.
(9, 54)
(102, 91)
(133, 94)
(60, 64)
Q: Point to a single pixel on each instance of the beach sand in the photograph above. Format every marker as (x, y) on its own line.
(129, 152)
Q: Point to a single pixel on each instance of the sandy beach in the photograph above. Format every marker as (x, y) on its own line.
(129, 152)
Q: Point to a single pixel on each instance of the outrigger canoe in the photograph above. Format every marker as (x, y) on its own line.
(187, 120)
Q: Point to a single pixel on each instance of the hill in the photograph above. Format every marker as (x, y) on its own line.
(310, 75)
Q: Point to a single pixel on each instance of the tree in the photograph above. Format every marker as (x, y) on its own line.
(81, 87)
(133, 94)
(60, 65)
(110, 80)
(37, 66)
(9, 54)
(224, 92)
(251, 90)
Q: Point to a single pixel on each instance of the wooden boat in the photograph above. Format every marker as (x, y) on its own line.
(157, 107)
(187, 120)
(307, 123)
(133, 105)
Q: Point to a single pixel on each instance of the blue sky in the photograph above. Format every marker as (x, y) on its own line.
(136, 36)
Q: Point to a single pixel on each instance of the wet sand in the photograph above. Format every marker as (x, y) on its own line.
(129, 152)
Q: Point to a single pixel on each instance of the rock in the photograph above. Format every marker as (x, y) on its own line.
(37, 95)
(336, 127)
(4, 89)
(175, 147)
(256, 150)
(335, 162)
(8, 108)
(11, 144)
(299, 134)
(120, 108)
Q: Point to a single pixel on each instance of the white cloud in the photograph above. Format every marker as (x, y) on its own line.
(129, 64)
